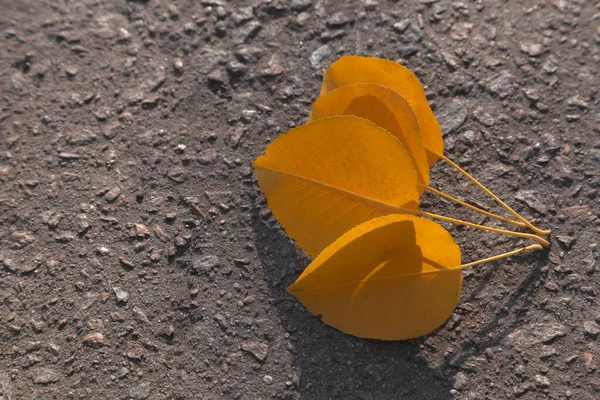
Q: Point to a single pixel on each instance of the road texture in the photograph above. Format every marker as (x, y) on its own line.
(140, 261)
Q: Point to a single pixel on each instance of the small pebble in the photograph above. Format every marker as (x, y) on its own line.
(112, 194)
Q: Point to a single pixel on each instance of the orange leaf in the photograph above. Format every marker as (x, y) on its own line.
(324, 178)
(355, 69)
(393, 278)
(385, 108)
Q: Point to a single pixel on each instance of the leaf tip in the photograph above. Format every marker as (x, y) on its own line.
(292, 289)
(256, 163)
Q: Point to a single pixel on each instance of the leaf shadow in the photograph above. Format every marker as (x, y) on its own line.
(496, 331)
(327, 362)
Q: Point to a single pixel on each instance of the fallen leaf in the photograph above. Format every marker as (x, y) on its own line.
(385, 108)
(355, 69)
(325, 177)
(392, 278)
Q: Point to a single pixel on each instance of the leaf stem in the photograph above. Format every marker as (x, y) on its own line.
(293, 290)
(500, 256)
(538, 239)
(492, 195)
(477, 209)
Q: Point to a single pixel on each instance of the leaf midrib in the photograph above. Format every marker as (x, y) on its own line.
(365, 280)
(403, 210)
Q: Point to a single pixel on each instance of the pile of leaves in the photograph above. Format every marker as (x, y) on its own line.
(346, 187)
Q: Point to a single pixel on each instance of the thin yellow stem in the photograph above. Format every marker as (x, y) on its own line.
(464, 266)
(492, 195)
(292, 290)
(500, 256)
(538, 239)
(477, 209)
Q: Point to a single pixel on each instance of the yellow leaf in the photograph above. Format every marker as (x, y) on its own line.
(325, 177)
(385, 108)
(355, 69)
(392, 278)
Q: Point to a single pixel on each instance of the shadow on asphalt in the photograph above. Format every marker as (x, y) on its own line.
(328, 363)
(495, 332)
